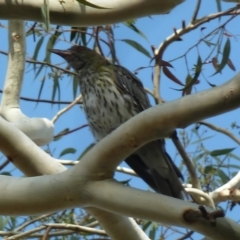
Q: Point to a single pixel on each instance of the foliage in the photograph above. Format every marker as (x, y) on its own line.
(214, 165)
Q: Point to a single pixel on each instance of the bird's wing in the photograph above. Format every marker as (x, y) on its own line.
(129, 84)
(151, 162)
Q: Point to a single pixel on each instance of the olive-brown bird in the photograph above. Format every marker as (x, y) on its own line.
(112, 95)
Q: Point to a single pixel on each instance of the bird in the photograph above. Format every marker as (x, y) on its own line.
(112, 95)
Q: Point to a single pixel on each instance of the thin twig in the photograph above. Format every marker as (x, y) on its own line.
(196, 192)
(4, 164)
(191, 169)
(70, 131)
(43, 100)
(196, 11)
(44, 63)
(27, 233)
(32, 221)
(77, 228)
(67, 108)
(221, 130)
(190, 27)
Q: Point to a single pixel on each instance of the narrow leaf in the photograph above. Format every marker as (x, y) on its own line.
(64, 131)
(83, 36)
(56, 87)
(73, 33)
(67, 151)
(131, 25)
(198, 69)
(221, 174)
(165, 63)
(187, 82)
(51, 42)
(40, 90)
(219, 7)
(219, 152)
(137, 46)
(39, 44)
(36, 51)
(171, 76)
(230, 64)
(45, 14)
(226, 53)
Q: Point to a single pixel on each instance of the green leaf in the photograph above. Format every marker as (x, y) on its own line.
(51, 42)
(209, 169)
(86, 3)
(226, 53)
(39, 44)
(39, 70)
(73, 33)
(199, 156)
(40, 90)
(202, 139)
(230, 166)
(146, 225)
(198, 69)
(6, 173)
(35, 55)
(67, 151)
(66, 130)
(56, 87)
(209, 44)
(234, 156)
(222, 175)
(83, 35)
(219, 152)
(45, 14)
(3, 222)
(152, 233)
(137, 46)
(219, 7)
(131, 24)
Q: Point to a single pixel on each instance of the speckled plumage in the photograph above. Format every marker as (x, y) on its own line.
(105, 107)
(111, 96)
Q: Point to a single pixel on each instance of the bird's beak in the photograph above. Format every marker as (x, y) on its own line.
(62, 53)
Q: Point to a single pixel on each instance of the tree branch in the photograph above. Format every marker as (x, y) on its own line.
(78, 185)
(72, 13)
(221, 130)
(40, 130)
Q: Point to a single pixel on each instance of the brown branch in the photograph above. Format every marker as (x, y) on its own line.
(221, 130)
(44, 63)
(43, 100)
(191, 169)
(70, 131)
(190, 27)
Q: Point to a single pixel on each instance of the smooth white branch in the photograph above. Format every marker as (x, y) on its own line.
(33, 161)
(40, 130)
(72, 13)
(79, 185)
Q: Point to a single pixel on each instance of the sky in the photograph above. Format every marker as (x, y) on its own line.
(156, 28)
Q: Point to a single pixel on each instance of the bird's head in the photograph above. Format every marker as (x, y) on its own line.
(78, 56)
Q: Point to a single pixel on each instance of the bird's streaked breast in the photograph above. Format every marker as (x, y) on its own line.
(105, 106)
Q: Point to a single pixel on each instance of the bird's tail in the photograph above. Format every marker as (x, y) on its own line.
(152, 163)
